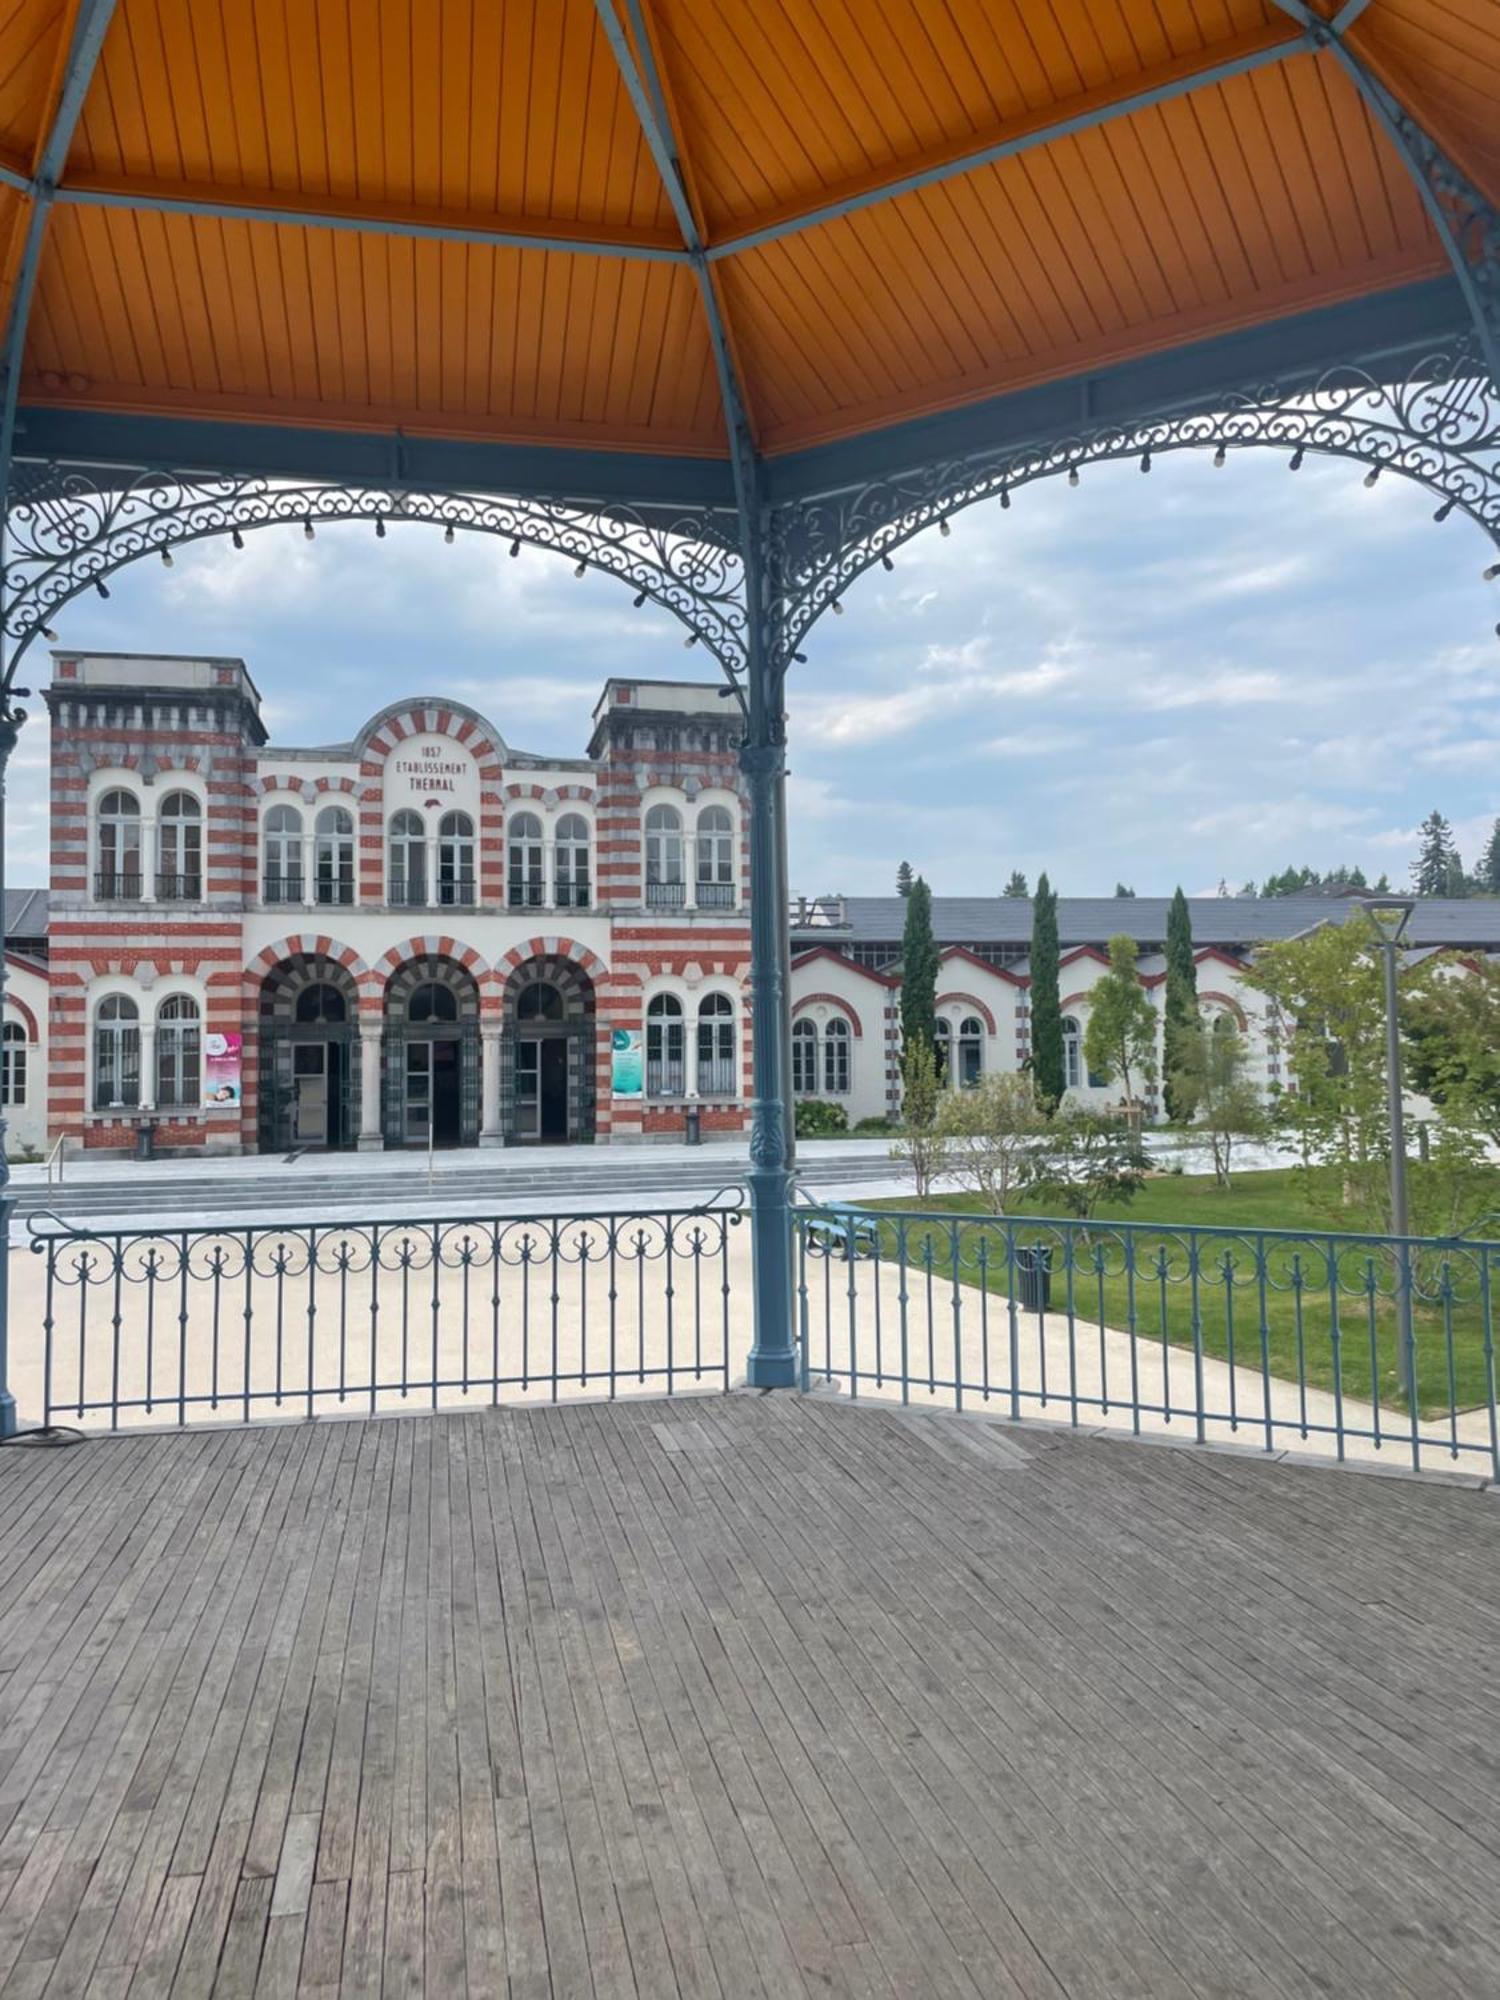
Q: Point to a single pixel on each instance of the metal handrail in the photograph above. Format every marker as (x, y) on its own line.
(56, 1154)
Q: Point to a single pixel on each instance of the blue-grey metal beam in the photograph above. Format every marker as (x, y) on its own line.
(1466, 222)
(1179, 84)
(89, 27)
(499, 235)
(12, 177)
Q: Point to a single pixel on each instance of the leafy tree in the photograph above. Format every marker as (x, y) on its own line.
(1181, 1015)
(1452, 1030)
(1123, 893)
(1120, 1039)
(903, 879)
(1048, 1071)
(1086, 1157)
(1383, 886)
(992, 1131)
(1016, 886)
(919, 969)
(922, 1146)
(1489, 867)
(1437, 857)
(1210, 1087)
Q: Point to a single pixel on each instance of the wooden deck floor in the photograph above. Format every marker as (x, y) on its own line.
(741, 1696)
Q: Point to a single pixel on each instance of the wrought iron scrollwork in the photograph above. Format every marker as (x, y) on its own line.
(68, 529)
(1440, 426)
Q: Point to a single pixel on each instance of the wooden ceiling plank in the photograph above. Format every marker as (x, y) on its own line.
(1198, 169)
(176, 47)
(335, 68)
(1303, 157)
(249, 305)
(456, 102)
(541, 110)
(1140, 185)
(245, 107)
(996, 251)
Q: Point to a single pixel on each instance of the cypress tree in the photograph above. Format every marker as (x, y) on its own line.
(919, 969)
(1182, 999)
(1489, 868)
(1047, 1072)
(903, 879)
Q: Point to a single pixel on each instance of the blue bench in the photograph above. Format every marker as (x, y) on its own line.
(844, 1230)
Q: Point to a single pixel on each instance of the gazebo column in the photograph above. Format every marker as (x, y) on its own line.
(371, 1043)
(772, 1361)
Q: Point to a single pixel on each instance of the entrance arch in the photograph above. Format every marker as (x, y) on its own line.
(549, 1089)
(308, 1019)
(431, 1072)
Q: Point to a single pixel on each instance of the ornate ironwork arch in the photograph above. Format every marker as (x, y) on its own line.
(1439, 425)
(70, 528)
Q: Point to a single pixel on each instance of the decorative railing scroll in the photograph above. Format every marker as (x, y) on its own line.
(70, 528)
(1440, 426)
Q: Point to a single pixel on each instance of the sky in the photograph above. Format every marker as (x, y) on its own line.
(1187, 677)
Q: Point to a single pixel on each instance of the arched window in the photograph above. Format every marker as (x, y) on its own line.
(1072, 1041)
(665, 1045)
(119, 836)
(283, 855)
(540, 1001)
(836, 1042)
(333, 857)
(804, 1059)
(716, 1076)
(407, 872)
(572, 862)
(432, 1002)
(179, 850)
(13, 1048)
(715, 875)
(319, 1004)
(117, 1054)
(664, 882)
(970, 1051)
(455, 859)
(178, 1049)
(525, 847)
(942, 1048)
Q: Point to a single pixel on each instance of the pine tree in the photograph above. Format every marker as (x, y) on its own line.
(1489, 867)
(919, 969)
(1432, 871)
(1125, 894)
(1383, 886)
(1048, 1073)
(1181, 1012)
(1016, 886)
(903, 879)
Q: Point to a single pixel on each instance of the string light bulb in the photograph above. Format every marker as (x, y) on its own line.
(380, 527)
(515, 550)
(1445, 510)
(800, 658)
(886, 563)
(166, 558)
(1145, 461)
(944, 529)
(690, 641)
(237, 538)
(582, 570)
(1371, 476)
(1072, 475)
(49, 635)
(638, 600)
(1297, 455)
(837, 607)
(448, 534)
(101, 586)
(307, 530)
(1492, 572)
(1005, 498)
(1219, 456)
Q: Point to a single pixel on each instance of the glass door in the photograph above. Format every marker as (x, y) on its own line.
(418, 1092)
(529, 1089)
(310, 1094)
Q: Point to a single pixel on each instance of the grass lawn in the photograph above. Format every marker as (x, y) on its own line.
(1143, 1276)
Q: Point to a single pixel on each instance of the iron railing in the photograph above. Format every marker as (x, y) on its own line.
(714, 895)
(179, 888)
(175, 1326)
(666, 895)
(1267, 1337)
(283, 889)
(112, 886)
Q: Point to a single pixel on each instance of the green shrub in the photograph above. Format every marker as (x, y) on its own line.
(873, 1128)
(817, 1120)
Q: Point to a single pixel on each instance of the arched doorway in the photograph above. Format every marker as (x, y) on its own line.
(549, 1032)
(308, 1060)
(431, 1055)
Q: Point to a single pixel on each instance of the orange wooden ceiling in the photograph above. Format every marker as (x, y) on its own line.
(1230, 205)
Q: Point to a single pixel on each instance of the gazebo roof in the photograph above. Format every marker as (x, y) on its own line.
(444, 217)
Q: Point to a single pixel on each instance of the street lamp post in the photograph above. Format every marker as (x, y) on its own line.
(1388, 917)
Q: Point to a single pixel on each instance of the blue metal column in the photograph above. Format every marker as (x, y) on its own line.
(772, 1359)
(9, 726)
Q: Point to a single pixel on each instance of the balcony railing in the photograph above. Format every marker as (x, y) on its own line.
(406, 895)
(309, 1319)
(457, 894)
(716, 1076)
(1266, 1337)
(333, 892)
(715, 895)
(666, 895)
(113, 887)
(283, 889)
(525, 895)
(573, 895)
(179, 888)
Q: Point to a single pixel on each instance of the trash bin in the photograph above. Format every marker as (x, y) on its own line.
(692, 1120)
(1034, 1268)
(145, 1140)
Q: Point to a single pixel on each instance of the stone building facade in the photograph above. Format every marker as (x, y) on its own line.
(422, 936)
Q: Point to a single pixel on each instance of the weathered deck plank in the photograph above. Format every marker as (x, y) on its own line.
(752, 1696)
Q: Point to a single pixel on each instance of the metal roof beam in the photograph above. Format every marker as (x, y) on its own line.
(430, 225)
(89, 28)
(1092, 108)
(1466, 222)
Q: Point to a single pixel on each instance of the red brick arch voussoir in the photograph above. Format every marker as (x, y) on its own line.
(975, 1006)
(830, 1000)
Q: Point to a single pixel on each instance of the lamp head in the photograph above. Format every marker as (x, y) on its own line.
(1388, 915)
